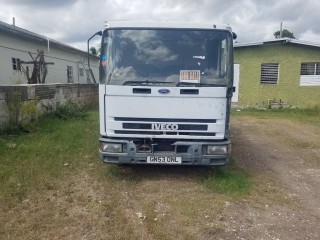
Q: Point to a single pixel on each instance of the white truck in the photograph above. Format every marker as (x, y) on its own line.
(165, 93)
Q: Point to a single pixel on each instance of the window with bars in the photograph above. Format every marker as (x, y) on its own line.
(70, 74)
(269, 73)
(81, 72)
(310, 74)
(310, 68)
(15, 64)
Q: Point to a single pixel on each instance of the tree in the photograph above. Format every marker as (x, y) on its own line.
(40, 69)
(285, 33)
(93, 51)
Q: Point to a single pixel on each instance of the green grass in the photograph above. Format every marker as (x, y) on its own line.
(228, 180)
(55, 149)
(308, 115)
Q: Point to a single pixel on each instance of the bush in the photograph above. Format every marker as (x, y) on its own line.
(11, 129)
(16, 125)
(22, 115)
(69, 110)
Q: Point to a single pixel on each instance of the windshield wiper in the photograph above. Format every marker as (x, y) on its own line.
(145, 83)
(188, 84)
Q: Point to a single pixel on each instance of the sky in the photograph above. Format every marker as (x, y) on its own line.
(73, 22)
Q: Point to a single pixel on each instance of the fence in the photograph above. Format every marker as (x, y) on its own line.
(32, 100)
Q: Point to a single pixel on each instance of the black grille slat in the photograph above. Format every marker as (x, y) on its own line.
(141, 90)
(193, 127)
(189, 91)
(165, 133)
(127, 119)
(197, 133)
(136, 126)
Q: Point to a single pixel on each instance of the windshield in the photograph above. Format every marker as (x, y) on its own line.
(169, 57)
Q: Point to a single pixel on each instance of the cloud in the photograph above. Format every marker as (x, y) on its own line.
(74, 21)
(309, 35)
(36, 4)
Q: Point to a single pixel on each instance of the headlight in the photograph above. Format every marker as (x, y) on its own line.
(111, 147)
(218, 150)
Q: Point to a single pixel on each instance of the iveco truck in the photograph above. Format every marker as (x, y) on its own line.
(165, 93)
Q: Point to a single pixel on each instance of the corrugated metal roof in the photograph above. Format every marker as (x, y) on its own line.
(31, 35)
(277, 41)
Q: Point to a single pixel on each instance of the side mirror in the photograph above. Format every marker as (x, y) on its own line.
(234, 35)
(96, 34)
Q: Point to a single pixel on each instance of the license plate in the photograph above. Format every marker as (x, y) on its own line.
(164, 159)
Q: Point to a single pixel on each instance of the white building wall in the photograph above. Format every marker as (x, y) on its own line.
(12, 46)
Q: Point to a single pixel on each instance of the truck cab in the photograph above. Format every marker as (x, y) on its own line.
(165, 93)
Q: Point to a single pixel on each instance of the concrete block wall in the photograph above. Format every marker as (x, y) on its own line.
(47, 96)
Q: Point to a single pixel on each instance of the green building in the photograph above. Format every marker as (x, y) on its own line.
(283, 72)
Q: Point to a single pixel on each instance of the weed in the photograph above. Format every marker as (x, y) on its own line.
(223, 180)
(302, 144)
(22, 115)
(69, 110)
(11, 129)
(123, 172)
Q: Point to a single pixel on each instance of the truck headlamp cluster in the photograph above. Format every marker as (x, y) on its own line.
(111, 147)
(218, 150)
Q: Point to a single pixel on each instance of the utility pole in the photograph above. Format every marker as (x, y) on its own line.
(281, 30)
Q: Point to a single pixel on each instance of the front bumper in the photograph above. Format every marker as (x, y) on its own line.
(191, 153)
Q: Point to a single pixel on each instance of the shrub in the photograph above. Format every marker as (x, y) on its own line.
(22, 115)
(69, 110)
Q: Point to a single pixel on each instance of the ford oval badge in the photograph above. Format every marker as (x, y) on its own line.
(164, 91)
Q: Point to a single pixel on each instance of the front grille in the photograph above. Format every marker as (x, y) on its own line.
(163, 147)
(164, 126)
(156, 146)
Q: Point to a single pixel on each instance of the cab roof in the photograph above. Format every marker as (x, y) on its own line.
(166, 24)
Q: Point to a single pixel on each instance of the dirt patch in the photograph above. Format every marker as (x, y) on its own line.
(287, 149)
(286, 152)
